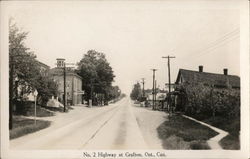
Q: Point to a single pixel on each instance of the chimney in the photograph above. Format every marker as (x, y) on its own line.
(200, 68)
(225, 70)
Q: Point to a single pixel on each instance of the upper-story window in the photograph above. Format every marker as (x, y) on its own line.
(60, 62)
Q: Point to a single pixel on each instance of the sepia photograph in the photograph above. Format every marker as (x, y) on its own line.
(125, 79)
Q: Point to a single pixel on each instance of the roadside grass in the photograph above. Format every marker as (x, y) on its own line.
(232, 125)
(28, 109)
(23, 126)
(230, 142)
(181, 133)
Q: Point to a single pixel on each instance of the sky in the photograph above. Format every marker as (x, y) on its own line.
(134, 35)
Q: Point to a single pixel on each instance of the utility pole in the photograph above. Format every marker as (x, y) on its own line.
(64, 87)
(62, 64)
(155, 94)
(153, 91)
(169, 78)
(143, 82)
(11, 92)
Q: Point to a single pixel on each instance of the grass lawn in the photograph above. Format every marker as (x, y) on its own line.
(30, 111)
(230, 142)
(181, 133)
(23, 126)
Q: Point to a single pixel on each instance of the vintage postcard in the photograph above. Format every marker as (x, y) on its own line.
(125, 79)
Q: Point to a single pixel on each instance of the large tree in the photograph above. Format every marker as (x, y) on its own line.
(96, 73)
(22, 60)
(26, 68)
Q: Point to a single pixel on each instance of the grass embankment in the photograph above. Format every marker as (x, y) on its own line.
(181, 133)
(29, 110)
(232, 126)
(23, 126)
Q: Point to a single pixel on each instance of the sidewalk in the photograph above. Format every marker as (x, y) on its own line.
(214, 141)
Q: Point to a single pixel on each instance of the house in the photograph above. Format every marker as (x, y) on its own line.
(208, 79)
(212, 81)
(74, 90)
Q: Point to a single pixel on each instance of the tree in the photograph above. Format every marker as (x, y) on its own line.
(22, 60)
(26, 68)
(136, 92)
(96, 72)
(46, 88)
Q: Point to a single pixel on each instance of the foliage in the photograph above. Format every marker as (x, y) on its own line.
(26, 108)
(219, 107)
(113, 92)
(208, 101)
(46, 88)
(26, 68)
(96, 73)
(22, 60)
(136, 92)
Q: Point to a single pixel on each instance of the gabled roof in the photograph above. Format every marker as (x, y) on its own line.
(208, 78)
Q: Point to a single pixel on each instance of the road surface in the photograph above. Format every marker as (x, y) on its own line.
(117, 126)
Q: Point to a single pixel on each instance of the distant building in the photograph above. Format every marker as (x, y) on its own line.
(208, 79)
(74, 90)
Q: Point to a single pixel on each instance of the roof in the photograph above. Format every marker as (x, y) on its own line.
(209, 78)
(59, 72)
(42, 64)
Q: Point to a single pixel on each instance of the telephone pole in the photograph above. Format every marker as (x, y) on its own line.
(153, 91)
(143, 82)
(169, 78)
(62, 64)
(64, 87)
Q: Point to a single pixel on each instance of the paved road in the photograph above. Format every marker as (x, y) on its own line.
(108, 127)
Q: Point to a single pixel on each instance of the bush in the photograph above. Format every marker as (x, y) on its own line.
(204, 102)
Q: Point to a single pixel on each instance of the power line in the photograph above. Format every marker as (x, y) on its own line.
(220, 40)
(217, 46)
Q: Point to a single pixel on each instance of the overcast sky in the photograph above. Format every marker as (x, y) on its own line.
(134, 35)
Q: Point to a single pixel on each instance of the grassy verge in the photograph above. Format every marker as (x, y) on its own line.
(230, 142)
(28, 109)
(181, 133)
(23, 126)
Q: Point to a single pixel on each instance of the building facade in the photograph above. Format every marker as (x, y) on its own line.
(74, 90)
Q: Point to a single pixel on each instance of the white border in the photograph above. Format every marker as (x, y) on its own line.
(244, 68)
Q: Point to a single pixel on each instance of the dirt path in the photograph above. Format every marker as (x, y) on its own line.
(148, 121)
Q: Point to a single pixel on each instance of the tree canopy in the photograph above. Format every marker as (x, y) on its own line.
(136, 92)
(26, 68)
(96, 72)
